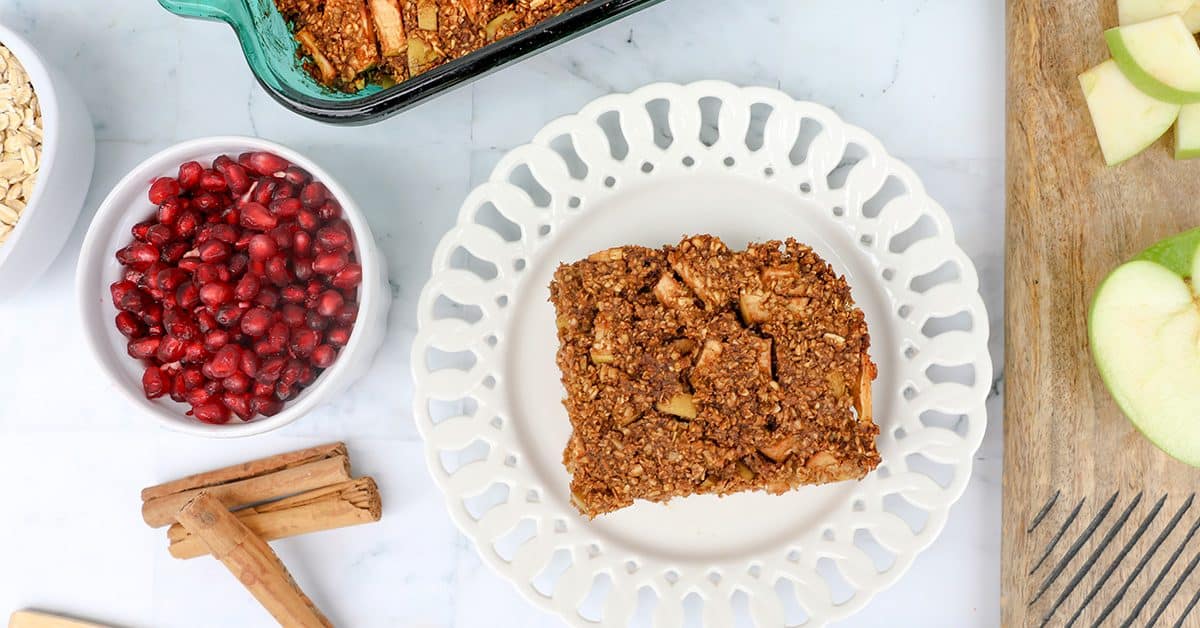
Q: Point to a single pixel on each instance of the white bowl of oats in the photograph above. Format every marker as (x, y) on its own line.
(47, 150)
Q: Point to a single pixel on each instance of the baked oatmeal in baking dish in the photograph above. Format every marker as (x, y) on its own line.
(348, 43)
(699, 369)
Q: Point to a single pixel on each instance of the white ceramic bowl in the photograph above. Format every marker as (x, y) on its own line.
(68, 153)
(128, 204)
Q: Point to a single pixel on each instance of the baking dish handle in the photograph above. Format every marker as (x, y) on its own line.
(232, 12)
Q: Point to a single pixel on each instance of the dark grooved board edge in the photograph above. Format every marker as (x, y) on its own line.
(1099, 527)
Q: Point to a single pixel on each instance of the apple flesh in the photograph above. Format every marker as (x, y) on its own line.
(1160, 57)
(1191, 18)
(1144, 331)
(1126, 120)
(1134, 11)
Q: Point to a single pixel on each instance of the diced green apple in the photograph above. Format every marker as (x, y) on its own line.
(1126, 120)
(1134, 11)
(1187, 132)
(1144, 331)
(1160, 57)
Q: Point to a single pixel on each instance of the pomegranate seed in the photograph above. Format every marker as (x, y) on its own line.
(265, 164)
(189, 174)
(228, 234)
(348, 314)
(249, 363)
(268, 297)
(277, 272)
(262, 390)
(278, 334)
(134, 301)
(302, 243)
(213, 252)
(285, 207)
(190, 264)
(302, 268)
(139, 230)
(170, 349)
(178, 391)
(187, 296)
(192, 378)
(338, 336)
(330, 209)
(207, 202)
(303, 342)
(308, 220)
(194, 353)
(186, 224)
(323, 356)
(292, 294)
(239, 403)
(237, 264)
(143, 348)
(228, 315)
(265, 405)
(211, 412)
(180, 325)
(262, 247)
(119, 289)
(174, 252)
(307, 375)
(197, 396)
(169, 210)
(162, 189)
(152, 314)
(255, 216)
(283, 189)
(224, 363)
(212, 181)
(215, 293)
(283, 392)
(215, 339)
(247, 288)
(256, 322)
(270, 370)
(315, 321)
(292, 315)
(265, 348)
(330, 263)
(348, 278)
(263, 189)
(206, 274)
(282, 235)
(238, 383)
(170, 278)
(159, 234)
(138, 255)
(330, 303)
(237, 178)
(296, 175)
(129, 325)
(153, 383)
(314, 195)
(290, 376)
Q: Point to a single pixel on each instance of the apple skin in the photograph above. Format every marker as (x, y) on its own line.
(1176, 253)
(1142, 79)
(1179, 257)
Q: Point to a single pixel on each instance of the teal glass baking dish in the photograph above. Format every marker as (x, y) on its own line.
(270, 51)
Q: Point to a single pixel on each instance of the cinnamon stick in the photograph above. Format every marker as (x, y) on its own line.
(251, 560)
(346, 504)
(245, 470)
(160, 511)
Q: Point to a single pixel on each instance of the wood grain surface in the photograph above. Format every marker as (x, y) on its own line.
(1099, 527)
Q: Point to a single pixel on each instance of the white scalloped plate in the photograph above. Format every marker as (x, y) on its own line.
(746, 164)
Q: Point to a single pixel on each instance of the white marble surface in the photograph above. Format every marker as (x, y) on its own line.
(925, 76)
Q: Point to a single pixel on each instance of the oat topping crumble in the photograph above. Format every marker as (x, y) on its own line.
(348, 43)
(698, 369)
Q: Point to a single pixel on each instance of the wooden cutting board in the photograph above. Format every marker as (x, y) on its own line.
(1099, 527)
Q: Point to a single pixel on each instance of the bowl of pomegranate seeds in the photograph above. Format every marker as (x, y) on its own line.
(229, 285)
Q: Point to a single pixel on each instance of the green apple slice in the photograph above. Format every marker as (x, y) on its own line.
(1144, 330)
(1126, 120)
(1191, 18)
(1160, 57)
(1134, 11)
(1187, 132)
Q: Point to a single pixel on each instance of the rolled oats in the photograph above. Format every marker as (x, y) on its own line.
(20, 141)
